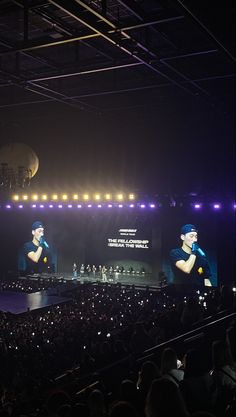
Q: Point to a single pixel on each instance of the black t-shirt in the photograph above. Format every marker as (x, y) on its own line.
(44, 263)
(199, 272)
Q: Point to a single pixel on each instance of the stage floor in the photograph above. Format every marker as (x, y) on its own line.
(18, 302)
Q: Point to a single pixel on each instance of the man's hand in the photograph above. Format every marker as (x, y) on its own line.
(195, 248)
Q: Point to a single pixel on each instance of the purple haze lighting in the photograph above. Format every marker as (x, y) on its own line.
(89, 205)
(33, 206)
(142, 205)
(20, 206)
(131, 205)
(109, 205)
(152, 205)
(69, 206)
(99, 205)
(216, 206)
(79, 206)
(120, 205)
(197, 205)
(41, 206)
(60, 206)
(8, 206)
(50, 206)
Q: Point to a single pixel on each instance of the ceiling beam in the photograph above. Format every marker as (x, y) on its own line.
(120, 39)
(210, 35)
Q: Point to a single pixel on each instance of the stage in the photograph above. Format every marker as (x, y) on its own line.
(139, 280)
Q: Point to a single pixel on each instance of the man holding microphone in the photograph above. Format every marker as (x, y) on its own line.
(37, 253)
(189, 263)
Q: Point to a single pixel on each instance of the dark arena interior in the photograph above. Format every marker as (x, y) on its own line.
(117, 208)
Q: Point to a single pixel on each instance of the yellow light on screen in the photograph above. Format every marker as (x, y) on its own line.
(15, 197)
(120, 196)
(75, 197)
(44, 197)
(25, 197)
(35, 197)
(97, 196)
(131, 196)
(107, 196)
(64, 196)
(54, 197)
(86, 196)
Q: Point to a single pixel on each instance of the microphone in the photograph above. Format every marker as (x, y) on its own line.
(195, 248)
(47, 245)
(43, 242)
(201, 252)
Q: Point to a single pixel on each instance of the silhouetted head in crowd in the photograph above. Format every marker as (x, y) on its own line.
(194, 364)
(123, 409)
(221, 354)
(168, 360)
(128, 391)
(56, 401)
(231, 340)
(164, 400)
(96, 404)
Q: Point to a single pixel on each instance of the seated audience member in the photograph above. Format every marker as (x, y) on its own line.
(195, 385)
(123, 409)
(223, 376)
(96, 404)
(169, 368)
(148, 372)
(164, 399)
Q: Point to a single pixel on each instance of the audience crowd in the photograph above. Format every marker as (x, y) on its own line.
(48, 356)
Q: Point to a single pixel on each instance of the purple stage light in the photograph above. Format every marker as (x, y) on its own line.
(79, 206)
(60, 206)
(99, 205)
(152, 205)
(197, 206)
(131, 205)
(120, 205)
(20, 206)
(89, 205)
(41, 206)
(69, 206)
(33, 205)
(216, 206)
(142, 205)
(8, 206)
(50, 206)
(109, 206)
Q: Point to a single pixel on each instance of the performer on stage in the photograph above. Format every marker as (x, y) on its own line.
(37, 253)
(189, 262)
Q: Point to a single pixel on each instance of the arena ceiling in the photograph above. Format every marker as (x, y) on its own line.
(103, 55)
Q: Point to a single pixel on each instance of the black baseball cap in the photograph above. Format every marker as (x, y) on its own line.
(36, 225)
(188, 228)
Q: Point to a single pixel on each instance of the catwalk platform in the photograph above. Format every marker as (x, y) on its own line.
(18, 303)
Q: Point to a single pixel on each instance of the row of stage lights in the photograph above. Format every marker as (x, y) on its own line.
(74, 197)
(59, 200)
(144, 205)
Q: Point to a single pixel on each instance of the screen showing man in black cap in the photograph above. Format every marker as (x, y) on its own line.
(189, 262)
(36, 252)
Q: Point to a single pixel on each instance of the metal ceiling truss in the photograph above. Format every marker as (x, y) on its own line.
(98, 23)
